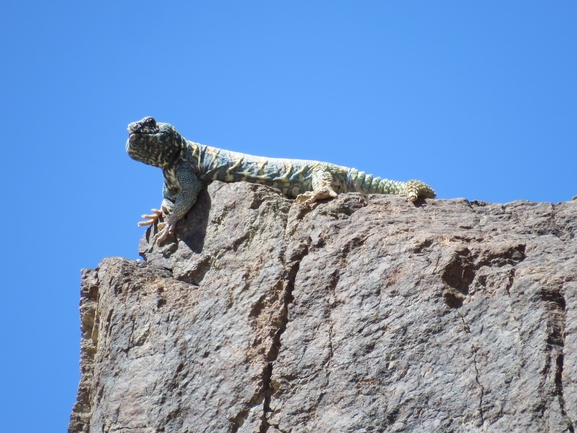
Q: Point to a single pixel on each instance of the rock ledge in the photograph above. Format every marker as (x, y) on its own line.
(364, 314)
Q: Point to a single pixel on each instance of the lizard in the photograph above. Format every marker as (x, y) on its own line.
(188, 166)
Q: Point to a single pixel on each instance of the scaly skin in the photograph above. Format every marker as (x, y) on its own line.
(187, 166)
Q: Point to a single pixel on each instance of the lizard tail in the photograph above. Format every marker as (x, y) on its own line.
(366, 183)
(415, 189)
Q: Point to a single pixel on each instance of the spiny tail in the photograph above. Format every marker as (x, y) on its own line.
(366, 183)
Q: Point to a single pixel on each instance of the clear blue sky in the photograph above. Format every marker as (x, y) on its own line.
(477, 98)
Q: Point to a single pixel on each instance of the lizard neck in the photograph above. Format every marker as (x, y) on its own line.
(170, 153)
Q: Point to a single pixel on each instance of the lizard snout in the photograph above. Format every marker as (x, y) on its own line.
(145, 126)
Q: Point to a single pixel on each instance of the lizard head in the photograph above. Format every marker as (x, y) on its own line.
(153, 143)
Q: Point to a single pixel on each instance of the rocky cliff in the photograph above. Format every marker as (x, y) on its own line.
(364, 314)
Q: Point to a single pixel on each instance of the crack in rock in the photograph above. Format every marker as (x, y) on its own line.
(295, 258)
(556, 322)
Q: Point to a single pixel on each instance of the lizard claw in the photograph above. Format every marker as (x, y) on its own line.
(165, 231)
(163, 227)
(153, 217)
(161, 236)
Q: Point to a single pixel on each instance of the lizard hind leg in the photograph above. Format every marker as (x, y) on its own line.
(322, 182)
(311, 197)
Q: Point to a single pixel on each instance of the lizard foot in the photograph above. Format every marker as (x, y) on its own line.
(310, 197)
(166, 229)
(153, 217)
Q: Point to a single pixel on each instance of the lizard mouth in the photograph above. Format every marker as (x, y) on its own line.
(135, 136)
(137, 132)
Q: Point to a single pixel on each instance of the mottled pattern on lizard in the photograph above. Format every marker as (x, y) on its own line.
(187, 166)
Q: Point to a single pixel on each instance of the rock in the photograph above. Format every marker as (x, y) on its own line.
(367, 313)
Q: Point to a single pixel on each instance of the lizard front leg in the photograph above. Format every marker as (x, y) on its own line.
(190, 186)
(322, 180)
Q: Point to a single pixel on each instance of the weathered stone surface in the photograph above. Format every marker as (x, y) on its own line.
(364, 314)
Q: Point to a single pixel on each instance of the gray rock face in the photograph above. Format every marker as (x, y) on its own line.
(364, 314)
